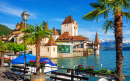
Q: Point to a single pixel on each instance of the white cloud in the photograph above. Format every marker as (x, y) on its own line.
(59, 19)
(127, 32)
(10, 10)
(11, 26)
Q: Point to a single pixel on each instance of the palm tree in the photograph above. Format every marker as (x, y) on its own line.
(34, 35)
(2, 50)
(119, 9)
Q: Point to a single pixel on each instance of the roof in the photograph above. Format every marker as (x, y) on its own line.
(51, 42)
(21, 26)
(3, 38)
(66, 37)
(55, 32)
(96, 39)
(67, 20)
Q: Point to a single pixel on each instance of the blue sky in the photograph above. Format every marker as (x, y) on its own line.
(55, 12)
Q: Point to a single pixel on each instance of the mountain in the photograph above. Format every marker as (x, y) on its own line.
(4, 30)
(109, 45)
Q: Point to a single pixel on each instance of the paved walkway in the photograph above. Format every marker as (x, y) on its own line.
(2, 78)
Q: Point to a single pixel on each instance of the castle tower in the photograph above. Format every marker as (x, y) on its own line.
(69, 25)
(17, 32)
(96, 45)
(55, 34)
(51, 48)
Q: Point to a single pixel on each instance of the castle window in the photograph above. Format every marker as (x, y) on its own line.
(54, 49)
(47, 49)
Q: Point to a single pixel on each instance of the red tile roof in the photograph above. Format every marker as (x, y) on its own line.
(55, 32)
(51, 42)
(67, 20)
(66, 37)
(96, 39)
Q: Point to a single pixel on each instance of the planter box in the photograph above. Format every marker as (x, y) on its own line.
(7, 64)
(101, 75)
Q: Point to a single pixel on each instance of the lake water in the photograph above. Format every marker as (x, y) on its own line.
(106, 58)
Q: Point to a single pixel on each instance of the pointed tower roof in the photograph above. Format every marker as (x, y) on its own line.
(55, 32)
(47, 27)
(96, 39)
(51, 42)
(67, 20)
(17, 24)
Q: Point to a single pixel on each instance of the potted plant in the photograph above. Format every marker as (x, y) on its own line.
(32, 63)
(7, 61)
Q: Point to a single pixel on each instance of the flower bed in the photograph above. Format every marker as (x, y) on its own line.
(89, 71)
(33, 63)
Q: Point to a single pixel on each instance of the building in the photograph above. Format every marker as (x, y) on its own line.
(62, 45)
(96, 45)
(69, 25)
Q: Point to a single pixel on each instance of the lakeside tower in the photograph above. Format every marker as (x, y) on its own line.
(96, 45)
(69, 25)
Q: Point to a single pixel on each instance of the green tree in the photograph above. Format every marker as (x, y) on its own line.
(5, 30)
(15, 47)
(2, 50)
(34, 35)
(119, 9)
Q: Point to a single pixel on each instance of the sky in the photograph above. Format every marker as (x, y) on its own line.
(55, 11)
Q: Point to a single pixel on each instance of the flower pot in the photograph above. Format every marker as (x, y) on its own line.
(37, 77)
(6, 64)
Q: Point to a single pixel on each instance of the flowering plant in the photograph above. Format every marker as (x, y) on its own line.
(7, 59)
(91, 68)
(32, 62)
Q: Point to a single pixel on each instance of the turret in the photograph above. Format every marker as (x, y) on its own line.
(55, 34)
(96, 45)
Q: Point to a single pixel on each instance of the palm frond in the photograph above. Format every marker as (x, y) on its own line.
(127, 15)
(107, 25)
(91, 15)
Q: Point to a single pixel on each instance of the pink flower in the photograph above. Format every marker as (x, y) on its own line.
(106, 68)
(85, 66)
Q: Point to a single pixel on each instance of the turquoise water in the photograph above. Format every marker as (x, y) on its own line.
(106, 58)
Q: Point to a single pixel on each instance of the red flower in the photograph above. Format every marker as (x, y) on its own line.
(106, 68)
(5, 58)
(9, 58)
(92, 66)
(80, 65)
(89, 66)
(34, 61)
(45, 62)
(16, 55)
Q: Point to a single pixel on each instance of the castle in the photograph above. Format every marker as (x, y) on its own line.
(66, 44)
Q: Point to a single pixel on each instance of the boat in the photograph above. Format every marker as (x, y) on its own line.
(19, 61)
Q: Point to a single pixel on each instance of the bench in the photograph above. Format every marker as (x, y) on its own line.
(66, 75)
(13, 74)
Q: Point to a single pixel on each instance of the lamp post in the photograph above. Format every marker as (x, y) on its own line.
(25, 17)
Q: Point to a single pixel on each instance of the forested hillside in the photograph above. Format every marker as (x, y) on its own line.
(4, 30)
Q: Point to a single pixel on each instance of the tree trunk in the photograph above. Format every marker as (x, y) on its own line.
(2, 59)
(38, 56)
(118, 41)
